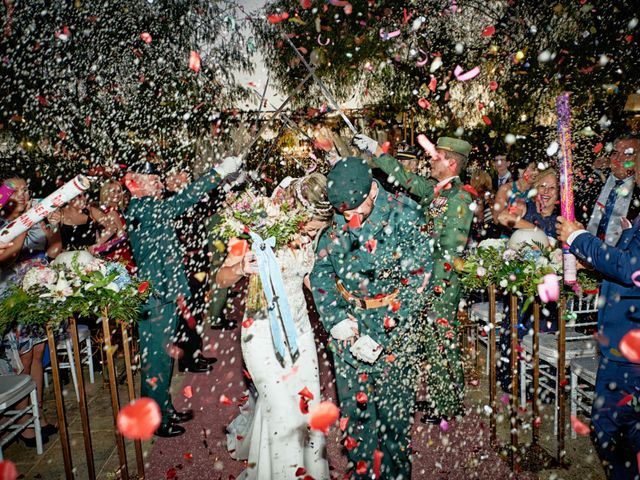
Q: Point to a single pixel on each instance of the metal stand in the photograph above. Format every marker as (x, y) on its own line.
(115, 402)
(132, 394)
(60, 410)
(562, 379)
(492, 365)
(84, 414)
(513, 313)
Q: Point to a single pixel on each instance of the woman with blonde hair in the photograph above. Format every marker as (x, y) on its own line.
(273, 433)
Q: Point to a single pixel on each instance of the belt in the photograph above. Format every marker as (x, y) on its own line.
(366, 303)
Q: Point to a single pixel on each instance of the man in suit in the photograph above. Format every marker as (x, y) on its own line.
(159, 257)
(617, 199)
(447, 204)
(503, 175)
(614, 415)
(366, 283)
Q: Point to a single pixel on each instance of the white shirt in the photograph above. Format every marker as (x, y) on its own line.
(504, 179)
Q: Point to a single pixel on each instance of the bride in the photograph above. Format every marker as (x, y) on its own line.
(276, 440)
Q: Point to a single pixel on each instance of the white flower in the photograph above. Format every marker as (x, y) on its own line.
(509, 254)
(60, 290)
(504, 283)
(497, 243)
(39, 277)
(481, 271)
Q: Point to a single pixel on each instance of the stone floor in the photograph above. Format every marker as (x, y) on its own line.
(430, 442)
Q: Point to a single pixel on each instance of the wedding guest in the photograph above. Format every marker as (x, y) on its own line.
(515, 193)
(112, 204)
(501, 166)
(159, 257)
(539, 212)
(619, 196)
(23, 346)
(483, 226)
(82, 226)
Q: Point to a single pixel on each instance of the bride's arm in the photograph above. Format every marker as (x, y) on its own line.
(234, 268)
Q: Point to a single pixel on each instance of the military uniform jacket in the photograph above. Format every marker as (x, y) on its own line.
(388, 252)
(156, 248)
(449, 215)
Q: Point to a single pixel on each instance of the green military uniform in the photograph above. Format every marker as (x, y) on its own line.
(449, 216)
(388, 252)
(217, 296)
(159, 256)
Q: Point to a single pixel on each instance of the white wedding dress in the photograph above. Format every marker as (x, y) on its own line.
(271, 432)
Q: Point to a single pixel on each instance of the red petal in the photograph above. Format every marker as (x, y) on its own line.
(385, 147)
(361, 397)
(188, 391)
(350, 443)
(377, 462)
(8, 470)
(225, 400)
(140, 419)
(630, 345)
(194, 61)
(493, 85)
(597, 147)
(364, 377)
(361, 467)
(486, 120)
(306, 393)
(304, 405)
(323, 415)
(489, 31)
(579, 427)
(300, 471)
(344, 421)
(248, 322)
(626, 399)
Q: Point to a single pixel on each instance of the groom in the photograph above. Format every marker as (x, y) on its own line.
(159, 257)
(366, 284)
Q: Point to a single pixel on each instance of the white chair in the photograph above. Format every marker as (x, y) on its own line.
(578, 345)
(14, 388)
(583, 370)
(65, 349)
(479, 313)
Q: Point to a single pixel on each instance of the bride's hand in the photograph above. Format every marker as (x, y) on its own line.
(249, 263)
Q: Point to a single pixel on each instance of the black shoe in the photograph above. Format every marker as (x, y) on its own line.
(31, 442)
(430, 419)
(207, 360)
(169, 430)
(180, 417)
(49, 430)
(195, 367)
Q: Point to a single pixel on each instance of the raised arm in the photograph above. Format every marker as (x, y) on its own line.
(411, 182)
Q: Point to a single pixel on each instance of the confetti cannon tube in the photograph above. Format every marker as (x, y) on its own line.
(46, 207)
(566, 179)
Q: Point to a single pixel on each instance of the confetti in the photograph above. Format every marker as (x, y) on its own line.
(493, 85)
(187, 391)
(486, 120)
(194, 61)
(579, 427)
(350, 443)
(140, 419)
(630, 345)
(355, 221)
(323, 415)
(635, 278)
(387, 36)
(146, 37)
(277, 18)
(8, 470)
(489, 31)
(463, 77)
(424, 103)
(225, 400)
(237, 247)
(247, 323)
(549, 289)
(361, 397)
(361, 467)
(377, 462)
(305, 393)
(344, 421)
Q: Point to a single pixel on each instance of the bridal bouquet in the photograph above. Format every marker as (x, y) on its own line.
(275, 218)
(267, 217)
(75, 284)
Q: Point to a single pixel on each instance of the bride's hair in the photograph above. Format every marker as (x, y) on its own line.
(311, 193)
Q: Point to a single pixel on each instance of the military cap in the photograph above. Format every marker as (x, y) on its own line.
(145, 167)
(454, 145)
(349, 183)
(408, 153)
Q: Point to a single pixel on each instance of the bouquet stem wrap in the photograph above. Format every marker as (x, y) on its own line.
(46, 207)
(566, 180)
(277, 304)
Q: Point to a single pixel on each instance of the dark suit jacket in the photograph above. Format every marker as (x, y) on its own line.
(621, 310)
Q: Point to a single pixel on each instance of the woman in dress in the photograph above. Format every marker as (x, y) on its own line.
(278, 441)
(112, 204)
(23, 346)
(513, 194)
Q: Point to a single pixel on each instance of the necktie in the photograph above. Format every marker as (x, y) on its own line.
(608, 210)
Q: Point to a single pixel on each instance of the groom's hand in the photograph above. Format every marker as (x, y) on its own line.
(366, 144)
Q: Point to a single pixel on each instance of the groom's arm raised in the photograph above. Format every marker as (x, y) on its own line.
(415, 184)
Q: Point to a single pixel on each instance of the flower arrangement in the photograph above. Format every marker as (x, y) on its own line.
(277, 218)
(52, 294)
(517, 271)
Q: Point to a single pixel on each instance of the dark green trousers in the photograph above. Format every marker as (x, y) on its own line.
(156, 331)
(383, 422)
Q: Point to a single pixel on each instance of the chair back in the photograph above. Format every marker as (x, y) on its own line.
(582, 310)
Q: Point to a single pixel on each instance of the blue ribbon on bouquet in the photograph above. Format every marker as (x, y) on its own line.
(277, 303)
